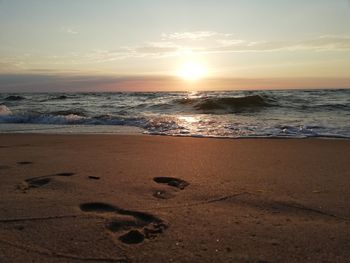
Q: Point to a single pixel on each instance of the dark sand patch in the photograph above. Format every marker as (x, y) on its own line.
(24, 163)
(5, 146)
(65, 174)
(94, 177)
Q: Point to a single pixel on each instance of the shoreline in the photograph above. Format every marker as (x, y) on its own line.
(52, 129)
(108, 198)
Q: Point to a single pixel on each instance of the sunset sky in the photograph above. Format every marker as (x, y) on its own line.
(86, 45)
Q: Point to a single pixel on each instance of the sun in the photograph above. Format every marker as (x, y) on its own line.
(191, 71)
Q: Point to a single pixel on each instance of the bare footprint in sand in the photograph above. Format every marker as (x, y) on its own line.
(97, 207)
(163, 194)
(172, 181)
(132, 237)
(37, 182)
(40, 181)
(133, 226)
(94, 177)
(64, 174)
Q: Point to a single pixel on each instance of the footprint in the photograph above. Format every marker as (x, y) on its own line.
(172, 181)
(162, 194)
(94, 177)
(132, 237)
(122, 223)
(37, 182)
(24, 163)
(65, 174)
(134, 227)
(97, 207)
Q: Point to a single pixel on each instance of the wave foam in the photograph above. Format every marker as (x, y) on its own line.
(4, 111)
(6, 116)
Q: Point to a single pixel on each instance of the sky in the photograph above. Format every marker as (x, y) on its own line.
(146, 45)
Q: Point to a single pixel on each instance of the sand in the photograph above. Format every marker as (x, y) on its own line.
(116, 198)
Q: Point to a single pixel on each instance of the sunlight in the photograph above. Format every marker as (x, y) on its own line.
(191, 71)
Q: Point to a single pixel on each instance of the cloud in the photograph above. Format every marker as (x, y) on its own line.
(195, 35)
(337, 43)
(177, 45)
(7, 67)
(12, 63)
(157, 48)
(323, 43)
(207, 42)
(69, 30)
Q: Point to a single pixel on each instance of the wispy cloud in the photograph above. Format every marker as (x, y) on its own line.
(195, 35)
(181, 44)
(11, 63)
(8, 66)
(329, 42)
(69, 30)
(207, 42)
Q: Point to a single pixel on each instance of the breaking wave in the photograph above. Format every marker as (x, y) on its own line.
(78, 112)
(63, 117)
(61, 97)
(231, 104)
(14, 98)
(220, 114)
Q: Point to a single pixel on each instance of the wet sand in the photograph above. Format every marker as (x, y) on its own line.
(118, 198)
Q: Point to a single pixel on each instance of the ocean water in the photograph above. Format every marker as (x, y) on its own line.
(234, 114)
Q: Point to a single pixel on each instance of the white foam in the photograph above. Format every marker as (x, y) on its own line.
(4, 111)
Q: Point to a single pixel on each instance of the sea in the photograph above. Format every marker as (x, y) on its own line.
(221, 114)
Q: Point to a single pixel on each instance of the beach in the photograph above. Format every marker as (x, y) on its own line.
(141, 198)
